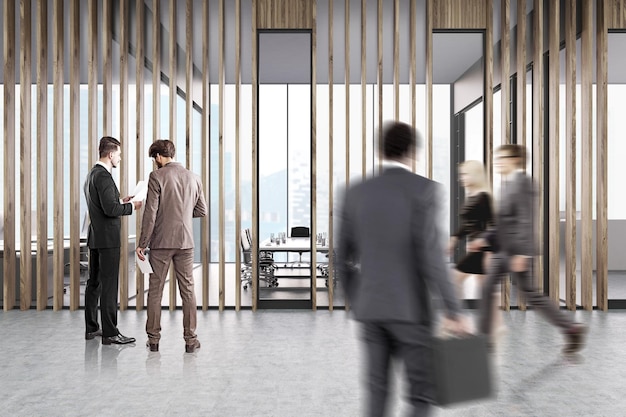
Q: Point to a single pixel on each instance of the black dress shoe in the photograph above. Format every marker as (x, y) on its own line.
(119, 339)
(154, 347)
(91, 335)
(190, 348)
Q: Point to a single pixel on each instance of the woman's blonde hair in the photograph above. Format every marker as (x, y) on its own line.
(475, 170)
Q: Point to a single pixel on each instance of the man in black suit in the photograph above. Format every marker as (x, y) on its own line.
(389, 225)
(103, 240)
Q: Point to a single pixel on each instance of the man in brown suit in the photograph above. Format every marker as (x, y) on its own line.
(174, 197)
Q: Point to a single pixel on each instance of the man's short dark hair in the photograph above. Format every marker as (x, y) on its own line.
(162, 147)
(514, 151)
(108, 144)
(399, 139)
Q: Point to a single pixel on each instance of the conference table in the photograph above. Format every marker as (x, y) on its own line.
(291, 244)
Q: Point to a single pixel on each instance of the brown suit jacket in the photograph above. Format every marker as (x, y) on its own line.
(174, 197)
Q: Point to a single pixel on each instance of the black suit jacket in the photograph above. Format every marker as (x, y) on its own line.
(105, 209)
(389, 225)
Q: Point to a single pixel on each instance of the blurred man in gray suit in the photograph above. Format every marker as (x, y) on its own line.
(389, 226)
(514, 241)
(174, 198)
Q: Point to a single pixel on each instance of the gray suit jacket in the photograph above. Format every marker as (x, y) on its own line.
(175, 196)
(514, 217)
(389, 227)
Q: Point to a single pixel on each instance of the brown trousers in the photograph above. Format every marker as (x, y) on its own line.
(183, 266)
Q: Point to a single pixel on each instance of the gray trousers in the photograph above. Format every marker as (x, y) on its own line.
(412, 344)
(498, 267)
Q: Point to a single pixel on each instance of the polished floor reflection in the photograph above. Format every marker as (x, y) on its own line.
(281, 363)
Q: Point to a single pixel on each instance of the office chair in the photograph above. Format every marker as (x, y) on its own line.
(266, 263)
(300, 231)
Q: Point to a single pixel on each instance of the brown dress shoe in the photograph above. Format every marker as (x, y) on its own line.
(91, 335)
(154, 347)
(192, 347)
(575, 338)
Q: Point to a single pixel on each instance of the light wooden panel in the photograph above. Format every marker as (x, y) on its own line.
(237, 154)
(396, 60)
(521, 95)
(488, 91)
(25, 155)
(74, 155)
(363, 89)
(107, 67)
(505, 96)
(538, 155)
(586, 173)
(570, 154)
(331, 143)
(42, 149)
(347, 91)
(124, 139)
(602, 246)
(9, 261)
(222, 226)
(205, 234)
(284, 14)
(554, 140)
(92, 81)
(616, 17)
(313, 12)
(460, 14)
(172, 113)
(57, 153)
(413, 75)
(156, 69)
(428, 146)
(140, 154)
(188, 82)
(379, 84)
(255, 163)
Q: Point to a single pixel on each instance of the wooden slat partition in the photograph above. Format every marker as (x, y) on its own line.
(107, 67)
(488, 88)
(521, 95)
(9, 261)
(586, 173)
(379, 84)
(505, 102)
(237, 154)
(284, 14)
(602, 246)
(347, 91)
(570, 155)
(42, 149)
(363, 88)
(92, 81)
(554, 140)
(396, 60)
(428, 146)
(313, 10)
(188, 82)
(172, 113)
(413, 74)
(25, 155)
(616, 18)
(140, 153)
(538, 130)
(124, 139)
(74, 155)
(255, 162)
(205, 235)
(331, 143)
(461, 14)
(222, 227)
(156, 69)
(57, 69)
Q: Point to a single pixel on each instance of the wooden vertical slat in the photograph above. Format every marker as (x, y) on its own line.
(222, 226)
(140, 156)
(379, 82)
(57, 68)
(156, 69)
(554, 216)
(188, 82)
(586, 173)
(92, 80)
(538, 130)
(255, 162)
(237, 154)
(42, 149)
(396, 60)
(107, 68)
(172, 113)
(347, 85)
(505, 105)
(428, 146)
(488, 91)
(413, 74)
(313, 12)
(331, 143)
(205, 234)
(124, 140)
(25, 155)
(74, 159)
(363, 88)
(570, 155)
(521, 95)
(9, 261)
(601, 156)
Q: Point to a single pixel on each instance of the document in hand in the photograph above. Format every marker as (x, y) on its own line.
(144, 265)
(140, 192)
(461, 369)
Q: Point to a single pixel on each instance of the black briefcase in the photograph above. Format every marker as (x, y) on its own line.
(461, 369)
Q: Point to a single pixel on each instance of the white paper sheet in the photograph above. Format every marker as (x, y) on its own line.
(144, 265)
(140, 192)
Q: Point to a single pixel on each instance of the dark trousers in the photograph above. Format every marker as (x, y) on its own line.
(102, 285)
(498, 267)
(412, 344)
